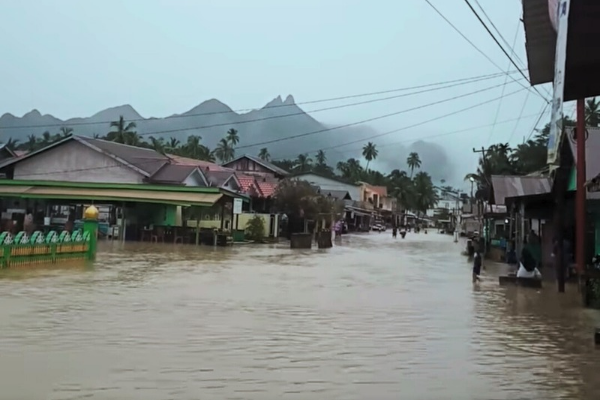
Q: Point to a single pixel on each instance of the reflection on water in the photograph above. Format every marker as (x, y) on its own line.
(371, 318)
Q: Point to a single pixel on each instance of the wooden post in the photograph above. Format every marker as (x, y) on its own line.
(580, 205)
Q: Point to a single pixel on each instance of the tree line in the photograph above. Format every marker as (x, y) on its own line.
(414, 191)
(529, 157)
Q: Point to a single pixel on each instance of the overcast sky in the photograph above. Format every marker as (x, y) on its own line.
(72, 58)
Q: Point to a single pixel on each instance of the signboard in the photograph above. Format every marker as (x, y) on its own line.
(556, 119)
(237, 206)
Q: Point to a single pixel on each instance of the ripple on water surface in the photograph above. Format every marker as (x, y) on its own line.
(371, 318)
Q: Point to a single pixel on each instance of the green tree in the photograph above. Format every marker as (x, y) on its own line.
(255, 229)
(233, 137)
(264, 155)
(370, 153)
(123, 132)
(66, 131)
(32, 143)
(224, 151)
(321, 157)
(592, 112)
(425, 195)
(413, 162)
(303, 163)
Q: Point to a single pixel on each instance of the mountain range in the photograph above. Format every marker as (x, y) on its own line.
(211, 119)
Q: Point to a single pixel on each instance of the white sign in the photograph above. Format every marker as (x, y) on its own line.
(556, 119)
(237, 206)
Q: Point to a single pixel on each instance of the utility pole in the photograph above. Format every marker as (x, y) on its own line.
(480, 210)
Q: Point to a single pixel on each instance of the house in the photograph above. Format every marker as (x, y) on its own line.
(254, 166)
(327, 183)
(148, 187)
(83, 159)
(359, 212)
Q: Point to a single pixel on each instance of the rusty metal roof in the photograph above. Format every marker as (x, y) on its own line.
(506, 186)
(540, 41)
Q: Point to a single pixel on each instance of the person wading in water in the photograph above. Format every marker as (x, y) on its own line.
(477, 262)
(394, 232)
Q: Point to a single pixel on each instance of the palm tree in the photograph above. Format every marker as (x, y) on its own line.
(192, 148)
(370, 153)
(123, 132)
(321, 158)
(173, 145)
(303, 163)
(224, 151)
(66, 131)
(46, 138)
(158, 145)
(12, 144)
(413, 162)
(233, 137)
(424, 192)
(264, 155)
(32, 143)
(592, 112)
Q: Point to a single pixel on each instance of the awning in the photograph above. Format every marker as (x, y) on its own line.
(112, 194)
(359, 212)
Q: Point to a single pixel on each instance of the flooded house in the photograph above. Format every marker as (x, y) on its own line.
(152, 196)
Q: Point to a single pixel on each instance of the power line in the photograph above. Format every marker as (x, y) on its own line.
(387, 145)
(502, 48)
(505, 80)
(153, 161)
(464, 80)
(538, 121)
(367, 120)
(519, 119)
(420, 123)
(473, 44)
(500, 34)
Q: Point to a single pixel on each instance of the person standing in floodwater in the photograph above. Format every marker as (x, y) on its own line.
(394, 232)
(477, 261)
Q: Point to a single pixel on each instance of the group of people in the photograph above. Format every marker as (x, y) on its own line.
(395, 231)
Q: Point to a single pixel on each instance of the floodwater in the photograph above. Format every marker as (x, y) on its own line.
(373, 318)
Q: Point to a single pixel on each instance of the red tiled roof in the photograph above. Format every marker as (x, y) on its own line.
(267, 187)
(246, 182)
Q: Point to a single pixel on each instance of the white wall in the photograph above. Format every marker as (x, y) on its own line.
(195, 179)
(329, 184)
(74, 162)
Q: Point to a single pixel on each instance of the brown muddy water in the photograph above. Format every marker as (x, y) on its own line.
(373, 318)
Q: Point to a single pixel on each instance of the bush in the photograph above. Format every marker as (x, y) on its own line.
(255, 229)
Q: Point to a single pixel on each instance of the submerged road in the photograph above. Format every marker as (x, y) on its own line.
(372, 318)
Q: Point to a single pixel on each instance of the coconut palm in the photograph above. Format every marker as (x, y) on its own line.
(12, 144)
(173, 145)
(32, 143)
(66, 131)
(232, 137)
(158, 144)
(122, 132)
(224, 151)
(370, 153)
(303, 163)
(592, 112)
(321, 158)
(413, 162)
(264, 155)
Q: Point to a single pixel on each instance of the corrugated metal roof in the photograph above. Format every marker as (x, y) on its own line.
(540, 41)
(518, 186)
(270, 166)
(173, 173)
(191, 198)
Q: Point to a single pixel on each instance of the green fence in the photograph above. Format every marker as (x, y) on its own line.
(53, 247)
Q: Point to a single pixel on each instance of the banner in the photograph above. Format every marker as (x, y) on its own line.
(552, 7)
(556, 119)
